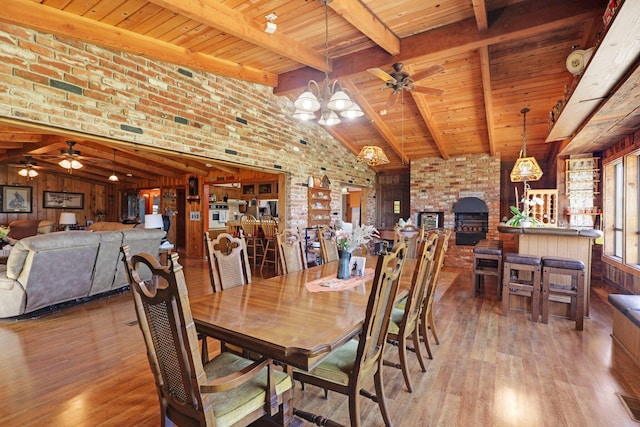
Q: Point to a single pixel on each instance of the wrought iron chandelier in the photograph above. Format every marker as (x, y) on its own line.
(328, 97)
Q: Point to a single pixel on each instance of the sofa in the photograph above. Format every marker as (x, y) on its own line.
(109, 226)
(63, 266)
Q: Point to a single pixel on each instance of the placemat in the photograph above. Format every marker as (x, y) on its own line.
(332, 283)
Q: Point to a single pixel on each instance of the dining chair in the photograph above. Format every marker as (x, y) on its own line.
(291, 251)
(269, 243)
(228, 261)
(346, 368)
(411, 236)
(405, 322)
(229, 389)
(249, 226)
(427, 321)
(328, 246)
(228, 268)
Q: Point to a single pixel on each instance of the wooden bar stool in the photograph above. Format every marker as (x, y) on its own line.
(571, 293)
(515, 283)
(487, 261)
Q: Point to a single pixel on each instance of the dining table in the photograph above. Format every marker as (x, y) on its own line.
(296, 318)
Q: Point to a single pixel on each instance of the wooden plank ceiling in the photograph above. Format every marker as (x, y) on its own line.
(499, 56)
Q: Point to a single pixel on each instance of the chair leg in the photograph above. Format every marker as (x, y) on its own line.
(265, 250)
(404, 366)
(354, 408)
(432, 326)
(415, 337)
(377, 380)
(424, 329)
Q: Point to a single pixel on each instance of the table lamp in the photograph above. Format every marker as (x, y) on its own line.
(67, 219)
(153, 221)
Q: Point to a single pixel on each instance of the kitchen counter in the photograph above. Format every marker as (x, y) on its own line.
(551, 231)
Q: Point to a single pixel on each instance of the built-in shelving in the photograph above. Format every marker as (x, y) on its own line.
(319, 206)
(593, 110)
(582, 184)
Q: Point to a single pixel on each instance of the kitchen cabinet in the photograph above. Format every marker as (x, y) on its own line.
(319, 207)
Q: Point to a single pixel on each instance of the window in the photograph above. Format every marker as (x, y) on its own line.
(621, 204)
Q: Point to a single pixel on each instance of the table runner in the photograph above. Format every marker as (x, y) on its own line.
(331, 283)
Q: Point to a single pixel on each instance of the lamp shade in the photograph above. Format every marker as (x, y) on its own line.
(526, 169)
(67, 218)
(372, 155)
(153, 221)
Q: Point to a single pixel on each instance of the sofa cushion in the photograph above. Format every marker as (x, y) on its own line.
(21, 228)
(16, 259)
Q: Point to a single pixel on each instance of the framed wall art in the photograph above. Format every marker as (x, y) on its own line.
(16, 199)
(62, 200)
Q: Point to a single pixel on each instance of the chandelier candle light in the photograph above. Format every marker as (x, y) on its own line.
(329, 98)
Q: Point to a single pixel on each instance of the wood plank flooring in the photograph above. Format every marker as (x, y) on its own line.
(86, 366)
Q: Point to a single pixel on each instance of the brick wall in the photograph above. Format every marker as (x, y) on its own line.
(70, 85)
(437, 184)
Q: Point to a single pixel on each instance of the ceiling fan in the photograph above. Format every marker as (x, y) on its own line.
(400, 80)
(70, 158)
(26, 167)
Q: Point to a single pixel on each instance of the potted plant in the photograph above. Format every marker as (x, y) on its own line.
(524, 218)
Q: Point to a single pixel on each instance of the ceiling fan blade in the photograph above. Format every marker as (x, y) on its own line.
(381, 74)
(393, 97)
(429, 71)
(428, 90)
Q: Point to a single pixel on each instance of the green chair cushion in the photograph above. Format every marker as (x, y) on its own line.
(396, 319)
(401, 304)
(232, 405)
(338, 365)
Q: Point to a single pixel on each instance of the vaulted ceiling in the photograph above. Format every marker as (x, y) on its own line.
(499, 56)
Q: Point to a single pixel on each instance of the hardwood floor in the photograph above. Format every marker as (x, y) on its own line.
(86, 366)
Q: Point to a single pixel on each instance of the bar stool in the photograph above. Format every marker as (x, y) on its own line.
(487, 261)
(513, 283)
(571, 293)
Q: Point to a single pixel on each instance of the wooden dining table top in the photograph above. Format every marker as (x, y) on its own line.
(280, 318)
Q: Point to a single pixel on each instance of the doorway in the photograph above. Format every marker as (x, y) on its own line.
(352, 205)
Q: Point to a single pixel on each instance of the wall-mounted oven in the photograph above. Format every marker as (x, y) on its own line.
(218, 215)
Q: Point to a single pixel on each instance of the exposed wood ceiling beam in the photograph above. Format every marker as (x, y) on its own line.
(487, 96)
(378, 123)
(54, 21)
(520, 21)
(430, 122)
(216, 15)
(480, 12)
(370, 25)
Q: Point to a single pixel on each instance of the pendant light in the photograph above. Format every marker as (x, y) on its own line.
(526, 168)
(372, 154)
(114, 177)
(332, 101)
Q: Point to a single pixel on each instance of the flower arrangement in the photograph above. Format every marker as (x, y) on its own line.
(520, 218)
(348, 241)
(4, 230)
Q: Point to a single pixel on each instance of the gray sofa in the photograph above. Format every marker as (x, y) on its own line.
(64, 266)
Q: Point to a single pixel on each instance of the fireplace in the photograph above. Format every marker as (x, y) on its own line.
(471, 221)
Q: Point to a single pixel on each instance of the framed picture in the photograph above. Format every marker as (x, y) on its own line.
(62, 200)
(16, 199)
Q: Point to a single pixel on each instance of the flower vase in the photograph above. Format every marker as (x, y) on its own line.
(526, 223)
(344, 257)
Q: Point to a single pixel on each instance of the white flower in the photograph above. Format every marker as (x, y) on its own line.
(349, 241)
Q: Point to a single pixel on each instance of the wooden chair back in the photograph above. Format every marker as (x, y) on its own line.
(328, 245)
(249, 225)
(409, 235)
(421, 279)
(228, 261)
(269, 227)
(164, 316)
(373, 337)
(291, 251)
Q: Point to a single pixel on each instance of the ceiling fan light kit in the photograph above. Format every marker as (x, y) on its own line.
(28, 172)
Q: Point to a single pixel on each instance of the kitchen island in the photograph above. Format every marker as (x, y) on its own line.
(561, 242)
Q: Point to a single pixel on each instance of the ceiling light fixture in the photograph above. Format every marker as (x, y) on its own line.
(372, 154)
(70, 162)
(271, 26)
(28, 171)
(113, 176)
(526, 168)
(330, 99)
